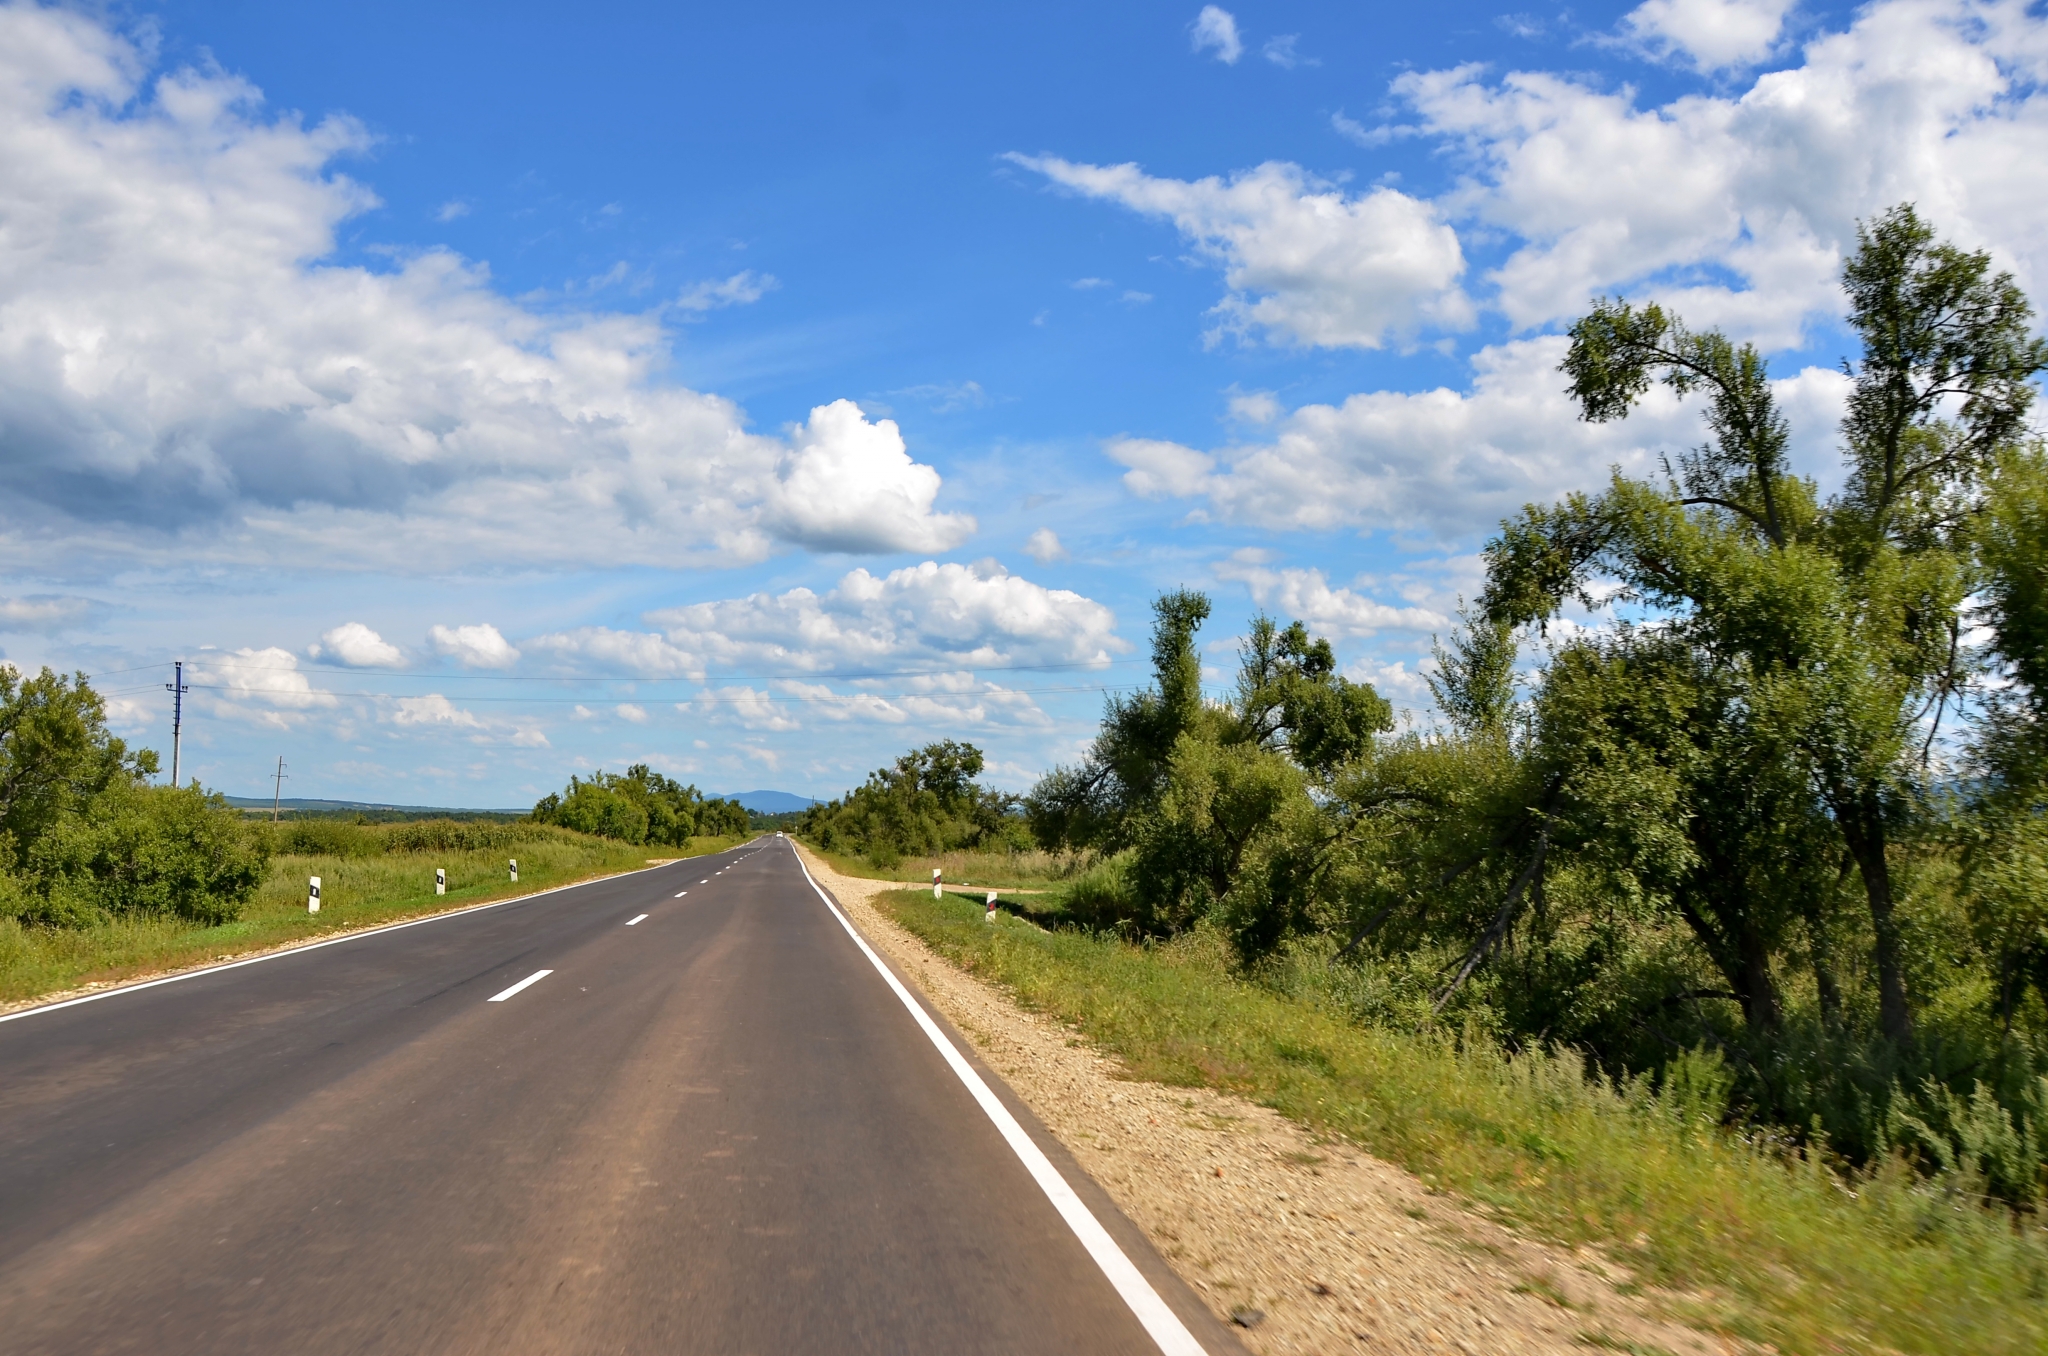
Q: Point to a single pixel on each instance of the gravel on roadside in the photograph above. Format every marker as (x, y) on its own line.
(1310, 1245)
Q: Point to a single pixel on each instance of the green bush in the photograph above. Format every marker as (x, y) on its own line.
(171, 851)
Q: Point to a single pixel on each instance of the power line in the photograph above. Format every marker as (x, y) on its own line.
(664, 678)
(708, 696)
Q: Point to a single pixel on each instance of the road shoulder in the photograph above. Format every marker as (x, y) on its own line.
(1332, 1249)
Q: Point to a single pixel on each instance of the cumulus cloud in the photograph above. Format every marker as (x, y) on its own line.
(1281, 52)
(1215, 30)
(1709, 33)
(643, 654)
(474, 647)
(1928, 101)
(849, 485)
(182, 363)
(627, 711)
(1306, 264)
(1439, 463)
(358, 646)
(1044, 546)
(922, 615)
(1337, 613)
(431, 710)
(262, 686)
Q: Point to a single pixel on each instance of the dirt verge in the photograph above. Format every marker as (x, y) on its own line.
(1314, 1245)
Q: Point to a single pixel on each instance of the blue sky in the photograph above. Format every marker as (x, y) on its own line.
(477, 395)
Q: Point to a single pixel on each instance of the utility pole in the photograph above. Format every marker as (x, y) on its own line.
(277, 791)
(177, 690)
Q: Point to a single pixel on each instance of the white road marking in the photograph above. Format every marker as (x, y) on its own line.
(681, 893)
(1164, 1326)
(533, 978)
(705, 881)
(641, 919)
(289, 951)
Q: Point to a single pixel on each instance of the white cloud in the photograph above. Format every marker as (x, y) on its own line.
(263, 686)
(1710, 33)
(741, 289)
(433, 710)
(358, 646)
(978, 616)
(1928, 101)
(1280, 51)
(1087, 284)
(850, 485)
(1337, 613)
(1215, 30)
(629, 712)
(1439, 463)
(638, 653)
(1044, 546)
(47, 613)
(1306, 264)
(183, 366)
(452, 210)
(474, 647)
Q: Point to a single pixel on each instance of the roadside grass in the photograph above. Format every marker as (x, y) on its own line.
(356, 891)
(1033, 868)
(1743, 1237)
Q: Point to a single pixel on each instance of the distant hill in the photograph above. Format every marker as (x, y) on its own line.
(770, 802)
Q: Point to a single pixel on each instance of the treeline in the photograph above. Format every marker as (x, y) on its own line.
(1781, 812)
(84, 838)
(928, 802)
(642, 806)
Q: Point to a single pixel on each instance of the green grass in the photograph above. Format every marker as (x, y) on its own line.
(355, 891)
(1030, 870)
(1756, 1243)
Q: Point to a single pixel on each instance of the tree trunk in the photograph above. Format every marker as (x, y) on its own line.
(1863, 830)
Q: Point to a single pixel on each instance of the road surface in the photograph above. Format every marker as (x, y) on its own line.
(712, 1125)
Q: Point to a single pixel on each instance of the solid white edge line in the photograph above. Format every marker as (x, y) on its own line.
(533, 978)
(641, 919)
(1160, 1322)
(315, 946)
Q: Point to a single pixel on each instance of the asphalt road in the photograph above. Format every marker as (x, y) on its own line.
(716, 1129)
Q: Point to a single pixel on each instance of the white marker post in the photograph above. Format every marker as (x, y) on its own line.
(440, 881)
(312, 894)
(991, 906)
(515, 870)
(935, 883)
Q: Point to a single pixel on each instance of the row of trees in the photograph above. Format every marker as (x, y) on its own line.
(83, 836)
(641, 806)
(1784, 801)
(928, 802)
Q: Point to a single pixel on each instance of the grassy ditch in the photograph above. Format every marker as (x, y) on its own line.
(1030, 870)
(1754, 1242)
(369, 874)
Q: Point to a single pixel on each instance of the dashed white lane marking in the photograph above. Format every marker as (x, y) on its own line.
(681, 893)
(705, 881)
(641, 919)
(533, 978)
(1160, 1322)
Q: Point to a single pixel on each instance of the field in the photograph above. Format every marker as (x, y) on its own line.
(370, 874)
(1764, 1245)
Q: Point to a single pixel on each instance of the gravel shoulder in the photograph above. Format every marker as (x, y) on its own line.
(1314, 1244)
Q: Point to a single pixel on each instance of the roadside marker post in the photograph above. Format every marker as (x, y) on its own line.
(440, 881)
(991, 906)
(515, 870)
(312, 894)
(935, 883)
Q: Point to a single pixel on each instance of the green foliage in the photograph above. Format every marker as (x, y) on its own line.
(641, 806)
(1762, 1243)
(84, 839)
(927, 803)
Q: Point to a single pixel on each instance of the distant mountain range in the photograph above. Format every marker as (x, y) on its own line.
(770, 802)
